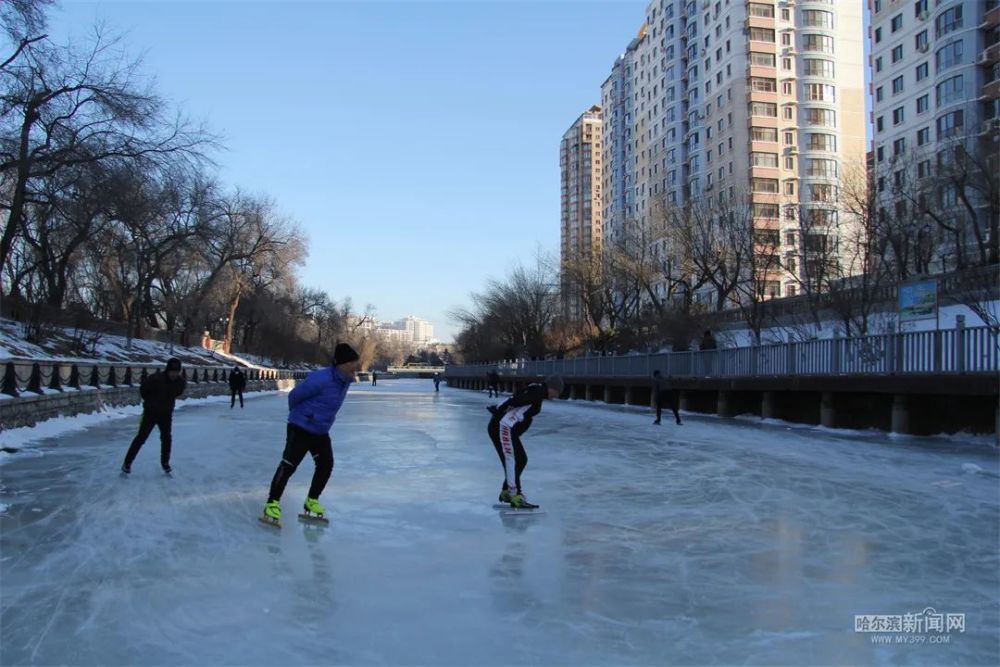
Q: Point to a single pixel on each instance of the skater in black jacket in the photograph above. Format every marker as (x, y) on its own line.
(511, 419)
(158, 391)
(663, 393)
(237, 383)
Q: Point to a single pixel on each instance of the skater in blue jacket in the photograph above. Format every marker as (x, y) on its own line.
(313, 407)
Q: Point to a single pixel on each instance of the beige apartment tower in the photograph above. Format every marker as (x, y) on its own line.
(580, 168)
(761, 103)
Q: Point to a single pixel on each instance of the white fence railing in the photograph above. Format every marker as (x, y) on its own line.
(954, 351)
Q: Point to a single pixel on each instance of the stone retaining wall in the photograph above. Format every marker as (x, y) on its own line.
(28, 409)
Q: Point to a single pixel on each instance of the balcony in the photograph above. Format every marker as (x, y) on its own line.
(991, 18)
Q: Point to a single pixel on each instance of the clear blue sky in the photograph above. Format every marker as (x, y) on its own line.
(416, 143)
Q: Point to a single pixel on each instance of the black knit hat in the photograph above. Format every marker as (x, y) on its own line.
(173, 364)
(343, 354)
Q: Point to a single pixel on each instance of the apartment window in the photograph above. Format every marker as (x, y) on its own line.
(897, 53)
(897, 85)
(824, 117)
(922, 70)
(923, 136)
(897, 22)
(768, 185)
(878, 35)
(766, 109)
(817, 18)
(786, 39)
(948, 21)
(788, 112)
(789, 138)
(924, 169)
(898, 116)
(880, 184)
(786, 15)
(813, 42)
(762, 85)
(821, 142)
(790, 163)
(899, 146)
(948, 56)
(880, 154)
(820, 92)
(950, 124)
(821, 167)
(764, 134)
(878, 6)
(923, 103)
(789, 187)
(762, 35)
(761, 59)
(878, 94)
(919, 7)
(765, 211)
(758, 159)
(949, 90)
(786, 88)
(878, 64)
(920, 41)
(823, 192)
(818, 67)
(786, 63)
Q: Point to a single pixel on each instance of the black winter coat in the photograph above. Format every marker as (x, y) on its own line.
(237, 381)
(159, 392)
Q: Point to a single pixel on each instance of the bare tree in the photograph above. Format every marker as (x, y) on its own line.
(62, 107)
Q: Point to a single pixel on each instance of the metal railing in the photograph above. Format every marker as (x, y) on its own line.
(18, 376)
(956, 351)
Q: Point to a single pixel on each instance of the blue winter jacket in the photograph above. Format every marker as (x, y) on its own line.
(314, 402)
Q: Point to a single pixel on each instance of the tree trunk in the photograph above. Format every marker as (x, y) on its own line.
(234, 303)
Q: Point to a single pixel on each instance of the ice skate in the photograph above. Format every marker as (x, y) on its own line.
(313, 511)
(272, 514)
(519, 502)
(126, 470)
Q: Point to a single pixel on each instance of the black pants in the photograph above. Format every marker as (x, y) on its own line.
(234, 392)
(668, 398)
(163, 421)
(494, 389)
(520, 456)
(298, 442)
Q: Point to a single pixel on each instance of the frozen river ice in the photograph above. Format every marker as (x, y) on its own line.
(715, 542)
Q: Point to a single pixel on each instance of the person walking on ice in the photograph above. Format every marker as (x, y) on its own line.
(510, 420)
(664, 393)
(159, 391)
(237, 383)
(312, 409)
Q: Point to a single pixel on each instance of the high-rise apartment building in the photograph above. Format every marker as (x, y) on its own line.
(580, 168)
(725, 100)
(935, 68)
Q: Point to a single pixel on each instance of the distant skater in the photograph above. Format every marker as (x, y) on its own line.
(313, 407)
(159, 391)
(374, 379)
(510, 420)
(237, 383)
(664, 393)
(437, 382)
(493, 383)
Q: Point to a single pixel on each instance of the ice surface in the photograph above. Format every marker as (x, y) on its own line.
(715, 542)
